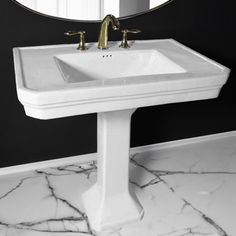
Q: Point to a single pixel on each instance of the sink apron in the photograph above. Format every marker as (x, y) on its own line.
(110, 202)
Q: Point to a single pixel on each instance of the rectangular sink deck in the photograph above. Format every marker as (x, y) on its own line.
(58, 81)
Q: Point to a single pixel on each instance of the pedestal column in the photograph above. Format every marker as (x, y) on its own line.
(109, 203)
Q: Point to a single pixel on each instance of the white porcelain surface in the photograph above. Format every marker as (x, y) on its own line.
(187, 190)
(58, 81)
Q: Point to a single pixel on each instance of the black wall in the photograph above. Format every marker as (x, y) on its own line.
(206, 26)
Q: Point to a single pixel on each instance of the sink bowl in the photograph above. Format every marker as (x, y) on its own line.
(59, 81)
(76, 67)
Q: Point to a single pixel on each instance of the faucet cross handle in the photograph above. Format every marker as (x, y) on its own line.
(124, 42)
(82, 33)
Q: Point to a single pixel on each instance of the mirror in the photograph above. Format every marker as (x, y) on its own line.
(91, 10)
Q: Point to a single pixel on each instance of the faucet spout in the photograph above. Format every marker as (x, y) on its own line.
(103, 35)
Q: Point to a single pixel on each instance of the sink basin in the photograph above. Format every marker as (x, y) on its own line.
(59, 81)
(77, 67)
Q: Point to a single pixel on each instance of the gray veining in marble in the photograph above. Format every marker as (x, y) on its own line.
(184, 191)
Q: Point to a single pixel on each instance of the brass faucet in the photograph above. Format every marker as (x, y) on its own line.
(103, 35)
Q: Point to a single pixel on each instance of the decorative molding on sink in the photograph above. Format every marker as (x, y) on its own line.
(120, 103)
(93, 156)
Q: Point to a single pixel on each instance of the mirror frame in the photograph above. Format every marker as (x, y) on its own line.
(91, 21)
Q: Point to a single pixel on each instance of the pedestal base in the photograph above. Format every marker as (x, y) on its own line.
(112, 212)
(109, 203)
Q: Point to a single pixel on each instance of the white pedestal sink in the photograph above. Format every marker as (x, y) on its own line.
(59, 81)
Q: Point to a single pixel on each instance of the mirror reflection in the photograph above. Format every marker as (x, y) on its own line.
(91, 9)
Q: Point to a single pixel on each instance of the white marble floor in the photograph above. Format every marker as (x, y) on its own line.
(185, 191)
